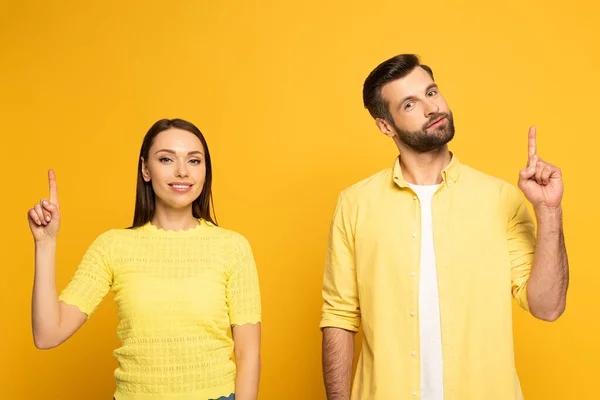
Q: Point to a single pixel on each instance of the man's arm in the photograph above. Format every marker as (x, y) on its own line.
(338, 353)
(549, 280)
(341, 310)
(542, 185)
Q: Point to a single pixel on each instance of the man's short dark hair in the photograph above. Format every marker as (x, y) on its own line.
(395, 68)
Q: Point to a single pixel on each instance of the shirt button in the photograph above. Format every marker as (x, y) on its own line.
(414, 353)
(413, 273)
(414, 197)
(414, 393)
(412, 313)
(414, 235)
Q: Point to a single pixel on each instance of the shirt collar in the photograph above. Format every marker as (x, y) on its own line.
(449, 174)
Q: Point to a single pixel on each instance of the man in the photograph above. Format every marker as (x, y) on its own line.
(427, 253)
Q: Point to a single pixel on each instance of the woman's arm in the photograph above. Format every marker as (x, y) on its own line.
(52, 321)
(246, 340)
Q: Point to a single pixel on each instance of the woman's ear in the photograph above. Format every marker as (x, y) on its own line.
(145, 171)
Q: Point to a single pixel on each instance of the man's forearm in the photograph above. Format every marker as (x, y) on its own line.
(549, 280)
(338, 353)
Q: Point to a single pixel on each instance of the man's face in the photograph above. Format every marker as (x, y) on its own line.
(420, 115)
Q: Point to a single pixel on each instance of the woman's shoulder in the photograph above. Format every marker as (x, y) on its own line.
(107, 237)
(231, 236)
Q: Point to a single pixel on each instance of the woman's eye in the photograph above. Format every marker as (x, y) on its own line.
(195, 162)
(164, 160)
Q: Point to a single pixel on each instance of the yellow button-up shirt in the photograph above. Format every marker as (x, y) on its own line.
(484, 243)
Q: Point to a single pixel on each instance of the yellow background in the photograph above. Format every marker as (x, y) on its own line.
(276, 88)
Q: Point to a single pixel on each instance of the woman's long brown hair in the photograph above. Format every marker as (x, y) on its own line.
(145, 201)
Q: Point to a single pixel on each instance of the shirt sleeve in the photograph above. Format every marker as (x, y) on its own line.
(243, 290)
(340, 293)
(93, 278)
(521, 244)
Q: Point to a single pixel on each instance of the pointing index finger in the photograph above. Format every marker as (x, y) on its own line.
(53, 189)
(532, 146)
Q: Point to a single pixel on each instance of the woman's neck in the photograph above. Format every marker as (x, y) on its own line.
(174, 219)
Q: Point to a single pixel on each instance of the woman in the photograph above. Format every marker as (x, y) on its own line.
(180, 282)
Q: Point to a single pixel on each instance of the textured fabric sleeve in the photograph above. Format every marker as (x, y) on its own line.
(340, 293)
(243, 291)
(93, 278)
(521, 244)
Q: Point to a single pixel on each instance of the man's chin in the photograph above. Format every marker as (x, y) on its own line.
(431, 147)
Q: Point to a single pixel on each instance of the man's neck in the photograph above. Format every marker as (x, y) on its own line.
(424, 168)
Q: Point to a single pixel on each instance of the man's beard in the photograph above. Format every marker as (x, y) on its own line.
(423, 141)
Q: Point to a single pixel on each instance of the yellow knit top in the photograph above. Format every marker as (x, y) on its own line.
(178, 293)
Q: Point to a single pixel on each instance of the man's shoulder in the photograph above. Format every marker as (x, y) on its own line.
(481, 181)
(368, 186)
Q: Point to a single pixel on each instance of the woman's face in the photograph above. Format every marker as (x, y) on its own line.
(176, 168)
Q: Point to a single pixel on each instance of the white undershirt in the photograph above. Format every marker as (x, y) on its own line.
(432, 377)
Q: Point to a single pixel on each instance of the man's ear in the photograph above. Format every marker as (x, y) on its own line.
(385, 127)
